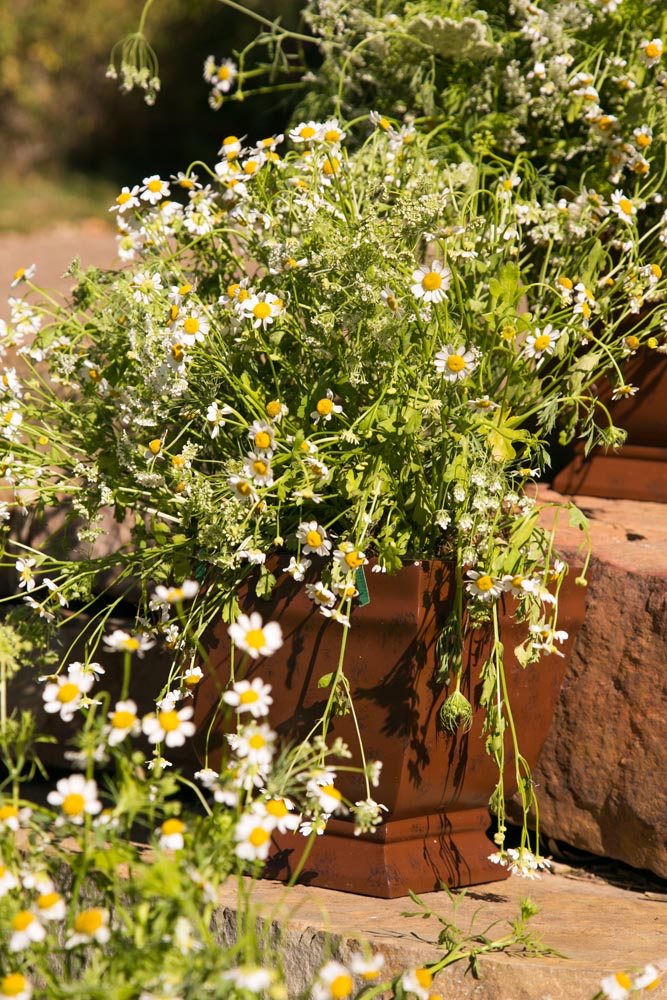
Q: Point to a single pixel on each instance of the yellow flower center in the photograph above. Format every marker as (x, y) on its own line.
(171, 826)
(484, 582)
(517, 582)
(256, 640)
(231, 140)
(341, 987)
(424, 978)
(277, 808)
(169, 721)
(273, 410)
(154, 186)
(632, 342)
(123, 720)
(88, 922)
(123, 198)
(257, 741)
(8, 812)
(354, 559)
(22, 920)
(68, 692)
(542, 342)
(47, 900)
(260, 468)
(223, 73)
(177, 352)
(455, 363)
(307, 132)
(626, 206)
(643, 140)
(191, 325)
(656, 270)
(13, 984)
(173, 313)
(332, 135)
(155, 446)
(566, 283)
(244, 489)
(653, 50)
(184, 289)
(431, 281)
(250, 167)
(262, 310)
(74, 804)
(331, 791)
(258, 836)
(331, 166)
(623, 979)
(314, 539)
(262, 439)
(250, 696)
(324, 407)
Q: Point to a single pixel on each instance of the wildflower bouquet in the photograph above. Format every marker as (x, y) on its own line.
(324, 352)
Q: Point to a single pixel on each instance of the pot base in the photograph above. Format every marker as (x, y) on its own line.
(420, 854)
(637, 472)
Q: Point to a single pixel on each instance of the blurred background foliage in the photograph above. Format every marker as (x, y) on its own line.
(64, 125)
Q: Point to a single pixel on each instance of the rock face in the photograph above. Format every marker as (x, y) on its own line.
(602, 771)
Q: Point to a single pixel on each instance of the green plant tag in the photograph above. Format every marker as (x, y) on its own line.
(362, 587)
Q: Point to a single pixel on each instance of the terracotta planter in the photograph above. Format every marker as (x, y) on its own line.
(436, 786)
(638, 471)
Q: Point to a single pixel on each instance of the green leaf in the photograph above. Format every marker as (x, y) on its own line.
(265, 584)
(325, 680)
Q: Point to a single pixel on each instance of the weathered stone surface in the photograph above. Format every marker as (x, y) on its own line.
(597, 928)
(602, 771)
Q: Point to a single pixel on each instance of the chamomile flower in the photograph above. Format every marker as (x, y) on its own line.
(253, 837)
(169, 725)
(10, 817)
(26, 931)
(262, 435)
(624, 391)
(253, 743)
(15, 986)
(418, 982)
(65, 694)
(91, 925)
(483, 405)
(367, 968)
(336, 615)
(126, 200)
(623, 206)
(251, 978)
(154, 189)
(431, 281)
(23, 274)
(174, 595)
(262, 309)
(220, 77)
(24, 570)
(483, 586)
(257, 468)
(542, 342)
(243, 490)
(8, 880)
(255, 638)
(325, 408)
(305, 133)
(77, 798)
(125, 642)
(297, 568)
(123, 721)
(334, 982)
(349, 557)
(278, 813)
(171, 834)
(652, 51)
(455, 363)
(320, 594)
(328, 797)
(51, 906)
(313, 538)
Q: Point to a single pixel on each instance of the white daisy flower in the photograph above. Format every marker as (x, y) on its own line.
(65, 694)
(169, 725)
(223, 76)
(77, 797)
(51, 906)
(253, 743)
(652, 51)
(215, 416)
(325, 408)
(15, 986)
(482, 405)
(305, 133)
(297, 568)
(320, 594)
(455, 363)
(327, 797)
(253, 838)
(8, 880)
(171, 834)
(24, 570)
(23, 274)
(542, 342)
(123, 721)
(26, 931)
(623, 206)
(252, 978)
(431, 281)
(174, 595)
(418, 982)
(89, 925)
(154, 189)
(258, 468)
(313, 538)
(253, 637)
(124, 642)
(126, 200)
(483, 586)
(278, 813)
(334, 982)
(349, 557)
(250, 696)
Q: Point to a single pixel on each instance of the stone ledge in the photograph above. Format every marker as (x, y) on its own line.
(602, 769)
(586, 921)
